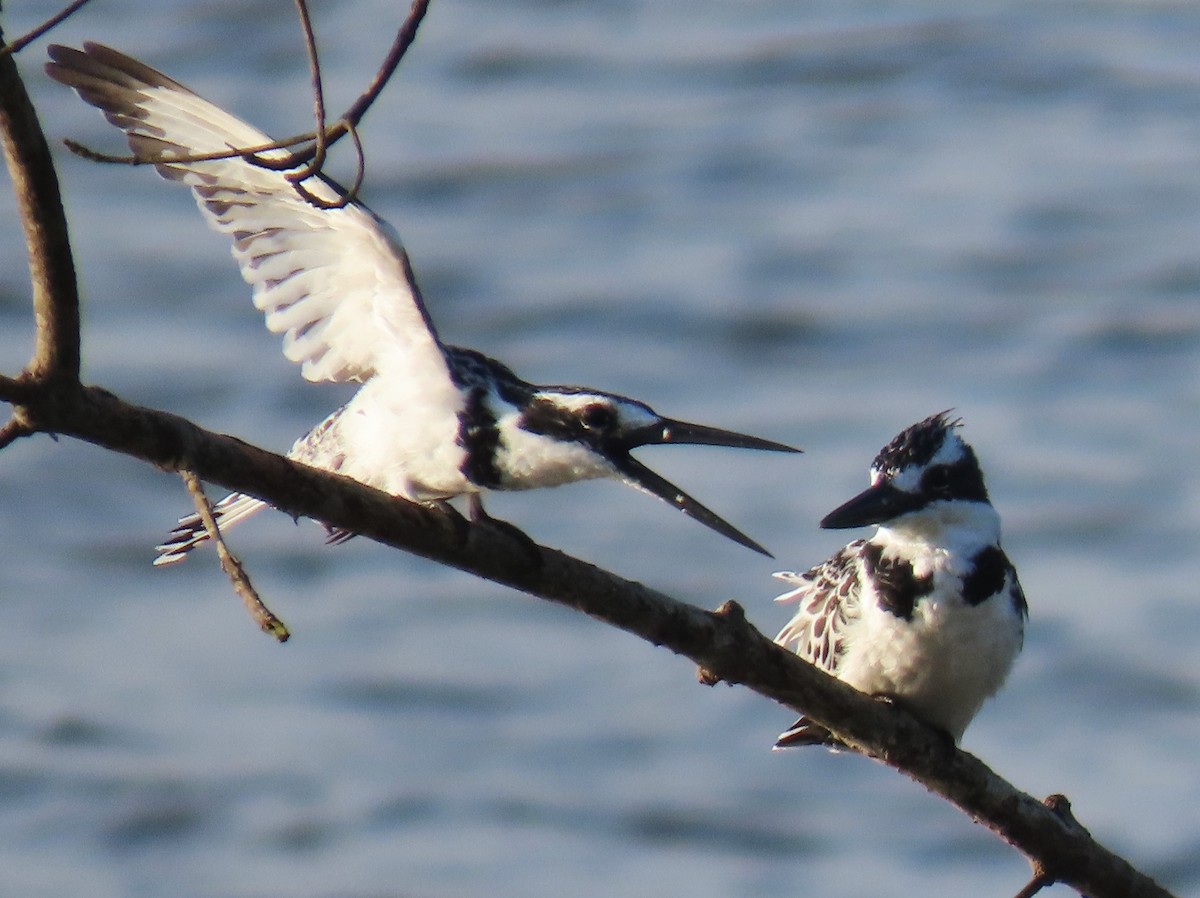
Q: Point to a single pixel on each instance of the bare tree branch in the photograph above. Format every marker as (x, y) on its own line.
(1042, 877)
(722, 643)
(12, 431)
(232, 565)
(17, 390)
(726, 647)
(47, 243)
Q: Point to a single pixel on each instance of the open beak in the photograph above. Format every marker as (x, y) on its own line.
(682, 433)
(874, 505)
(644, 479)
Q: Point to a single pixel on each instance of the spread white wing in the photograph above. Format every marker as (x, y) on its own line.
(335, 282)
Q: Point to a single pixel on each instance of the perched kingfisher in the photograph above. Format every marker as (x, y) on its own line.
(928, 611)
(431, 421)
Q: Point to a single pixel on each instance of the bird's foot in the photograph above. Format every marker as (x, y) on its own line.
(948, 742)
(460, 525)
(530, 549)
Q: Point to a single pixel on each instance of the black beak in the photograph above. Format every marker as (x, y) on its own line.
(874, 505)
(682, 433)
(645, 479)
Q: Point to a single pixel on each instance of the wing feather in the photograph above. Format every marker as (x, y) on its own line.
(829, 599)
(336, 283)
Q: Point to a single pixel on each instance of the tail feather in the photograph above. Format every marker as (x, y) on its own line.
(190, 532)
(336, 536)
(805, 732)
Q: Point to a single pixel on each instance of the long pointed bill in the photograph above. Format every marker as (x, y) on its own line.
(873, 505)
(645, 479)
(685, 433)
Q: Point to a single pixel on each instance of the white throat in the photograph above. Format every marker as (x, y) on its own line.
(950, 525)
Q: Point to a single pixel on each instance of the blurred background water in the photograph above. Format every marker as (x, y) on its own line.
(818, 222)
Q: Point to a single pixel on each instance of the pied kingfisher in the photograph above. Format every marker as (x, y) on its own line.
(431, 421)
(928, 611)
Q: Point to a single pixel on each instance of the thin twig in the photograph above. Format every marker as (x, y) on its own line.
(305, 163)
(24, 40)
(1035, 885)
(314, 67)
(348, 195)
(263, 616)
(12, 431)
(86, 152)
(250, 154)
(351, 118)
(404, 38)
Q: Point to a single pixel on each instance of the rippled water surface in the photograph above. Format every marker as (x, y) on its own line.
(818, 222)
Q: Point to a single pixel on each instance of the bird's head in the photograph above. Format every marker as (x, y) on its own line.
(921, 469)
(609, 427)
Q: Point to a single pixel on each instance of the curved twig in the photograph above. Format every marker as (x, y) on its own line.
(350, 194)
(86, 152)
(351, 118)
(302, 164)
(29, 37)
(314, 65)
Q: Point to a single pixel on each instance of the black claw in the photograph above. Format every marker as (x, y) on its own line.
(530, 549)
(461, 526)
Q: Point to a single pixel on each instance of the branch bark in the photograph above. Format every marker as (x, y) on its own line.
(723, 644)
(47, 242)
(49, 398)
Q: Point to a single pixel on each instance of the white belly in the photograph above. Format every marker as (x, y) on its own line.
(402, 449)
(943, 664)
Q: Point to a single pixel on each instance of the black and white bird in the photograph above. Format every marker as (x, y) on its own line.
(431, 421)
(928, 611)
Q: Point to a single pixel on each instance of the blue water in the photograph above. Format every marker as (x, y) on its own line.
(818, 222)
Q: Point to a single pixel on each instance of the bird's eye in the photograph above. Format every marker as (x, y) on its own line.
(936, 480)
(596, 417)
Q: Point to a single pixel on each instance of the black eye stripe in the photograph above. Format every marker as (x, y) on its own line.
(961, 480)
(543, 416)
(597, 416)
(938, 475)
